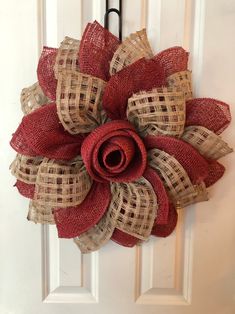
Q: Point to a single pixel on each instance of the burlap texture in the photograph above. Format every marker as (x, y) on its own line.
(134, 207)
(172, 60)
(96, 50)
(210, 113)
(97, 236)
(45, 72)
(194, 164)
(159, 111)
(198, 168)
(165, 230)
(162, 197)
(41, 134)
(25, 189)
(200, 196)
(141, 75)
(183, 81)
(216, 171)
(79, 101)
(40, 213)
(62, 184)
(133, 48)
(73, 221)
(67, 56)
(32, 98)
(25, 168)
(124, 239)
(209, 144)
(132, 210)
(175, 179)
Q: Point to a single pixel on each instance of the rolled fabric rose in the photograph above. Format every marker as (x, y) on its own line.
(114, 152)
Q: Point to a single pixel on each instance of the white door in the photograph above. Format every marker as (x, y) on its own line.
(190, 272)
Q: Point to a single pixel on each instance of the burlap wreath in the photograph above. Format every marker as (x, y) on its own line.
(112, 142)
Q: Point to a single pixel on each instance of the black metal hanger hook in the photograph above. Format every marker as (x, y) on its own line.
(118, 12)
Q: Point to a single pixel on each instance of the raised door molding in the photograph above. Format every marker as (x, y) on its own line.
(61, 284)
(164, 266)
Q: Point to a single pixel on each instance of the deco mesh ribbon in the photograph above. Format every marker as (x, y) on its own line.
(112, 142)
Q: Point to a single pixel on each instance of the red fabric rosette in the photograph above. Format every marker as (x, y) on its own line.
(114, 152)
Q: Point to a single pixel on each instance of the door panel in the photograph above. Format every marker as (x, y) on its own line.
(190, 272)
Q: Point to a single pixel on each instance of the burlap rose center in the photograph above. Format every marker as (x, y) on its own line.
(114, 152)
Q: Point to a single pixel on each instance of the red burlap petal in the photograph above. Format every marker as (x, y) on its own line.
(174, 59)
(162, 198)
(194, 164)
(216, 171)
(96, 50)
(118, 159)
(211, 113)
(124, 239)
(114, 158)
(27, 190)
(142, 75)
(166, 229)
(127, 156)
(73, 221)
(19, 144)
(41, 134)
(45, 71)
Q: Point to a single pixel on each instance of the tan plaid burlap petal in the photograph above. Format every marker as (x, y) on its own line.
(209, 144)
(40, 213)
(134, 207)
(62, 184)
(133, 48)
(159, 111)
(98, 235)
(32, 98)
(78, 99)
(200, 195)
(67, 56)
(183, 81)
(177, 182)
(25, 168)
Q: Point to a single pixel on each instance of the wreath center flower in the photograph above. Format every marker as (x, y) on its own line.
(114, 152)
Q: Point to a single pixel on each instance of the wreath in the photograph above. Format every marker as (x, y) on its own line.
(112, 142)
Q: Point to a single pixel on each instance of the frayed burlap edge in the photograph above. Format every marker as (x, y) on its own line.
(178, 185)
(42, 214)
(133, 48)
(25, 168)
(182, 80)
(32, 98)
(209, 144)
(67, 56)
